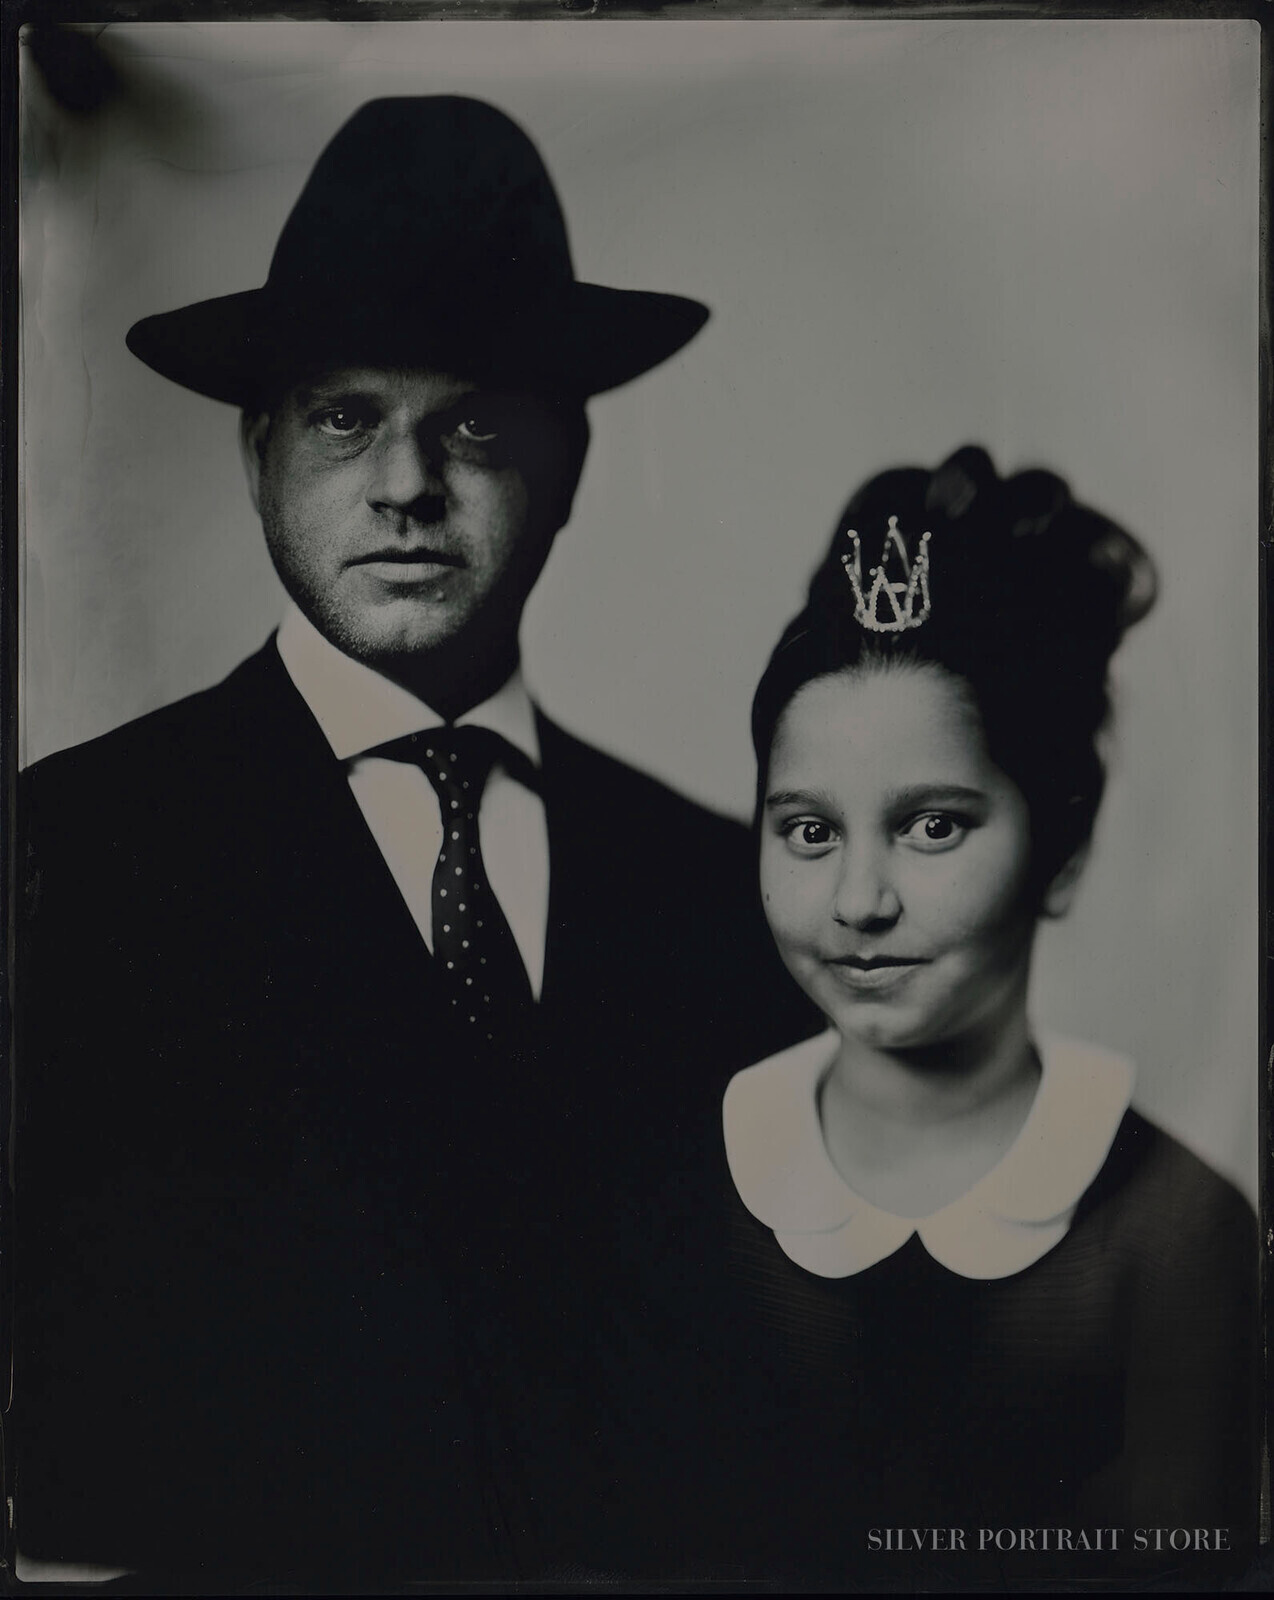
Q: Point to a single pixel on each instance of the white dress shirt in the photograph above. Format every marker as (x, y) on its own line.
(1011, 1217)
(358, 711)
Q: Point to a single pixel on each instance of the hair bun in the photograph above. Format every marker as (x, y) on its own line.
(1016, 557)
(1067, 573)
(1121, 563)
(964, 478)
(1031, 500)
(1083, 578)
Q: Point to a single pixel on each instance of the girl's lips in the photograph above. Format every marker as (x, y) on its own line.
(871, 974)
(869, 963)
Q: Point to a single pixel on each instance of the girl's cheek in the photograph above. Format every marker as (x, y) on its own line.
(790, 918)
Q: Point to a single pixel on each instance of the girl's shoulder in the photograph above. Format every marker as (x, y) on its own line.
(774, 1143)
(779, 1080)
(1157, 1198)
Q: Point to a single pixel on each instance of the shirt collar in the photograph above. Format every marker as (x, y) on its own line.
(359, 709)
(1003, 1224)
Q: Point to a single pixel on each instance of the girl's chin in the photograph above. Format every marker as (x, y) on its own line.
(885, 1025)
(874, 1027)
(885, 1038)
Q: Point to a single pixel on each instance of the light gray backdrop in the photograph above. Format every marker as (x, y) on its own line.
(1039, 236)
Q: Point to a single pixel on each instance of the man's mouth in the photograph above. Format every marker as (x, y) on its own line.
(406, 556)
(404, 569)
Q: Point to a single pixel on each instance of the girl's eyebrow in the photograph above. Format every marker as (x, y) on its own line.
(800, 797)
(920, 794)
(914, 796)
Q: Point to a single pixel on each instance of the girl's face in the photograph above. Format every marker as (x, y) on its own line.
(895, 860)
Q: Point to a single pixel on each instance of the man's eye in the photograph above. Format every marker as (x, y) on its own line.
(341, 422)
(935, 830)
(809, 836)
(477, 430)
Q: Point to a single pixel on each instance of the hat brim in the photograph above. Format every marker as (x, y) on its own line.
(580, 339)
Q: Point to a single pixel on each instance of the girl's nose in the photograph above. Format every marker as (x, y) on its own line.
(865, 896)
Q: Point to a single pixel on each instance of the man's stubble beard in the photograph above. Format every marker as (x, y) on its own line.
(451, 673)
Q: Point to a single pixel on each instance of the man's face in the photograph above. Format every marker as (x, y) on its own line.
(408, 511)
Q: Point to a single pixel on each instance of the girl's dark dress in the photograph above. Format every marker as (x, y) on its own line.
(1069, 1346)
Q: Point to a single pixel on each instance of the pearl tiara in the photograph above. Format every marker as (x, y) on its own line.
(891, 604)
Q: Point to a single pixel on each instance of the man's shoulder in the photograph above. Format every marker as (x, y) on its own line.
(589, 777)
(162, 746)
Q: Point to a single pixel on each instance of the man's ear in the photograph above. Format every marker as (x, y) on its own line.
(1061, 891)
(254, 430)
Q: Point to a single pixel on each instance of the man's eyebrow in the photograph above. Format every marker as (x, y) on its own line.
(320, 390)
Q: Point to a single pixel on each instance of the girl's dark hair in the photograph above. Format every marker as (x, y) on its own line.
(1031, 594)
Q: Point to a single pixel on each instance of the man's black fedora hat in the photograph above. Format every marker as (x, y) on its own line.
(429, 234)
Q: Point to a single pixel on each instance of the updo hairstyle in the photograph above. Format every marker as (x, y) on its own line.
(1031, 594)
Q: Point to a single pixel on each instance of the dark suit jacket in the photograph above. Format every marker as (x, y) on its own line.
(303, 1284)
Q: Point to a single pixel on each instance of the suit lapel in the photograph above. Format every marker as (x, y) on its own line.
(608, 930)
(321, 872)
(577, 874)
(346, 986)
(316, 855)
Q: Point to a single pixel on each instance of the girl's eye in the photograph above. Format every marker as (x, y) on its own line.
(340, 422)
(935, 830)
(809, 836)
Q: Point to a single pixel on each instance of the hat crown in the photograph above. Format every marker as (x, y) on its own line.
(417, 191)
(428, 234)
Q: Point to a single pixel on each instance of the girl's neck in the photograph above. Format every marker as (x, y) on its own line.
(938, 1084)
(911, 1131)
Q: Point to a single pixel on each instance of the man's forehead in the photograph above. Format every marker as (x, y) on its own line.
(366, 378)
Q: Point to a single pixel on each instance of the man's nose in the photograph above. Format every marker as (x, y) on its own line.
(406, 472)
(865, 894)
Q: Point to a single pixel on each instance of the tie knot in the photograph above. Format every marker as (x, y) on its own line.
(458, 761)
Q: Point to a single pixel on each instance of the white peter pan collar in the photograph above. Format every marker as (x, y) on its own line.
(1002, 1225)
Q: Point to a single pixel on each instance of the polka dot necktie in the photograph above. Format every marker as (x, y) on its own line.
(473, 944)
